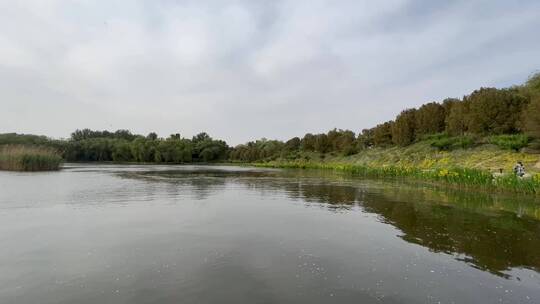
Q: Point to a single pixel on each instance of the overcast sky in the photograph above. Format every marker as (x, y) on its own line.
(242, 70)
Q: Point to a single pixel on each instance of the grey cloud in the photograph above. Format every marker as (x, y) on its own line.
(241, 70)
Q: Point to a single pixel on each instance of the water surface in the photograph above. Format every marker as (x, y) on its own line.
(210, 234)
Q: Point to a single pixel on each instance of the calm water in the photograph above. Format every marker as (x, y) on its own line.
(198, 234)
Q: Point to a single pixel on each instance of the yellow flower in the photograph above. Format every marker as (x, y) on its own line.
(443, 172)
(444, 161)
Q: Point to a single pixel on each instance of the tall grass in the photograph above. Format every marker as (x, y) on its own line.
(465, 177)
(29, 158)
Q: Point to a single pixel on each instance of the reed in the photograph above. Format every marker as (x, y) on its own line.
(464, 177)
(29, 158)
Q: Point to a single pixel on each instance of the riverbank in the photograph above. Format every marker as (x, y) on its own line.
(473, 167)
(28, 158)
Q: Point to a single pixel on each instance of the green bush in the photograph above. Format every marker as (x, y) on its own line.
(433, 136)
(463, 142)
(510, 142)
(443, 142)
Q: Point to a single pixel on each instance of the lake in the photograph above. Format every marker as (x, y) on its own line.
(224, 234)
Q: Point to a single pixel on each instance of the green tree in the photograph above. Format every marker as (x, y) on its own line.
(201, 137)
(365, 138)
(152, 136)
(403, 129)
(382, 134)
(270, 148)
(143, 149)
(308, 142)
(457, 118)
(174, 150)
(532, 117)
(343, 141)
(448, 103)
(430, 119)
(292, 144)
(531, 88)
(321, 144)
(494, 111)
(122, 151)
(207, 149)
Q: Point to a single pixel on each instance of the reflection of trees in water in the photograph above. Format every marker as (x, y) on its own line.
(455, 222)
(199, 184)
(491, 232)
(203, 183)
(470, 225)
(493, 242)
(333, 196)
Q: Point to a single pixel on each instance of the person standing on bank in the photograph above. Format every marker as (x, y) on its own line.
(519, 169)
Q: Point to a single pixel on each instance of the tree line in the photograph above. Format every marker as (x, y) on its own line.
(123, 146)
(484, 112)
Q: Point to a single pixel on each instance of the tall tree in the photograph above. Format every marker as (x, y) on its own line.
(532, 117)
(430, 119)
(308, 142)
(494, 111)
(321, 143)
(365, 139)
(382, 134)
(457, 118)
(292, 144)
(403, 129)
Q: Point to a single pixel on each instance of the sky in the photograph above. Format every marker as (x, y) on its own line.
(247, 69)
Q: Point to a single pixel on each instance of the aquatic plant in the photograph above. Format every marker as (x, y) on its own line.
(465, 177)
(29, 158)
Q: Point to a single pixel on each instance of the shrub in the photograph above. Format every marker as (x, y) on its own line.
(463, 142)
(510, 142)
(443, 142)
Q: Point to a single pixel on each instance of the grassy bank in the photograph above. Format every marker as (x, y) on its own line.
(477, 167)
(29, 158)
